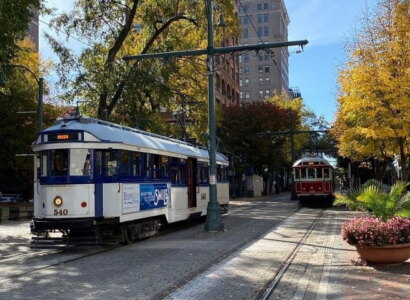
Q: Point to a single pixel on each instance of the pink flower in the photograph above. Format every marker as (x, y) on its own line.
(371, 231)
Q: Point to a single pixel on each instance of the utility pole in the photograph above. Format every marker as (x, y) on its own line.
(213, 220)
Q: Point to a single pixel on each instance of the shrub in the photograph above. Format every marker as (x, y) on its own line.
(371, 199)
(370, 231)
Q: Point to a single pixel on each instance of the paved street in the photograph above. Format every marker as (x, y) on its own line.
(270, 249)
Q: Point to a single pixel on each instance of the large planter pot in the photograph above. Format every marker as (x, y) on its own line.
(389, 254)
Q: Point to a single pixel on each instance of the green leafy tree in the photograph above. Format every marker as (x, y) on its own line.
(14, 20)
(306, 120)
(246, 130)
(134, 93)
(18, 118)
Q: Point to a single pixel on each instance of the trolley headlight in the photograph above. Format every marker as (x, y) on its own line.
(58, 201)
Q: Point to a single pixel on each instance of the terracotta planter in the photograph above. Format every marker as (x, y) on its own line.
(389, 254)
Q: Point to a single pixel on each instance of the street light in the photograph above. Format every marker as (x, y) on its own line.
(40, 83)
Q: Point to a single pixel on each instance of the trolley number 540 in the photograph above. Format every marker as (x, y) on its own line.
(60, 212)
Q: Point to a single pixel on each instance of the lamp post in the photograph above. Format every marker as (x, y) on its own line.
(40, 83)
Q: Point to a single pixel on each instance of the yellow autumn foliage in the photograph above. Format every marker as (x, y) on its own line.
(373, 117)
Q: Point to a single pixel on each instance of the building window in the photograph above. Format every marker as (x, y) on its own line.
(246, 70)
(245, 20)
(247, 94)
(243, 8)
(240, 82)
(241, 95)
(246, 58)
(267, 92)
(260, 69)
(261, 94)
(246, 81)
(245, 33)
(260, 81)
(260, 18)
(266, 17)
(265, 31)
(260, 31)
(266, 56)
(267, 80)
(240, 70)
(260, 57)
(265, 6)
(266, 69)
(240, 58)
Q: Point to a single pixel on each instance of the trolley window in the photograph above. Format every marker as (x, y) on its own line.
(137, 164)
(125, 163)
(105, 163)
(319, 173)
(59, 162)
(202, 173)
(311, 173)
(178, 170)
(43, 164)
(80, 162)
(165, 166)
(110, 163)
(297, 173)
(326, 173)
(303, 173)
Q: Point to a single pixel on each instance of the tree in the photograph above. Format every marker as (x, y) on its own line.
(134, 93)
(306, 120)
(14, 20)
(18, 125)
(372, 119)
(244, 132)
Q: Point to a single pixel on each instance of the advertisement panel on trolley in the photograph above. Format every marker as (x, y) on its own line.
(144, 197)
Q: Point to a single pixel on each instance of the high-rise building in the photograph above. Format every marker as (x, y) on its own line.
(227, 71)
(264, 73)
(33, 29)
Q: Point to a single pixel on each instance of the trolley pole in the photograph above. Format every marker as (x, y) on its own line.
(213, 220)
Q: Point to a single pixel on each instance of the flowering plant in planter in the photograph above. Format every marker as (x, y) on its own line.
(369, 231)
(384, 235)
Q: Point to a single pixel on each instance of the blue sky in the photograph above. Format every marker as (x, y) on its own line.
(326, 24)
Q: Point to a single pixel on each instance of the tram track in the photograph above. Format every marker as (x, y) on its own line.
(53, 254)
(44, 265)
(273, 282)
(269, 287)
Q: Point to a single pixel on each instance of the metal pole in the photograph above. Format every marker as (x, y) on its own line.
(292, 135)
(40, 104)
(213, 220)
(292, 150)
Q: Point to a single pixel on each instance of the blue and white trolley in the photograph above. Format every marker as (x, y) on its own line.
(98, 182)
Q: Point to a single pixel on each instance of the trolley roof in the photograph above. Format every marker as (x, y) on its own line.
(113, 133)
(311, 161)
